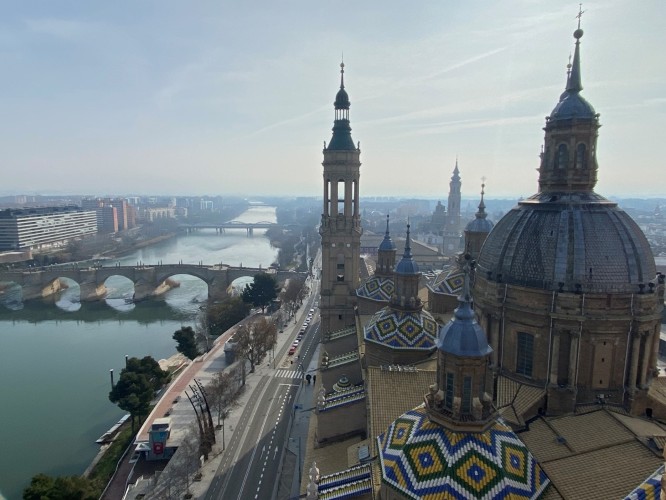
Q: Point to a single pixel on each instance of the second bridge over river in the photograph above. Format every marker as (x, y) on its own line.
(149, 280)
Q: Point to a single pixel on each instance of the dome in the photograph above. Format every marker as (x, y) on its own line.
(573, 105)
(576, 241)
(402, 330)
(422, 459)
(387, 244)
(378, 288)
(342, 100)
(463, 336)
(449, 281)
(479, 226)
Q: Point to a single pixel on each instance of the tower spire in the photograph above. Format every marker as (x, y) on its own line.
(342, 73)
(481, 214)
(574, 83)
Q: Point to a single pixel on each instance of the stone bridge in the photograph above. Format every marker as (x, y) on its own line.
(149, 280)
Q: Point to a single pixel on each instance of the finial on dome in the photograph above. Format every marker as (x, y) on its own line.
(342, 71)
(466, 295)
(573, 78)
(408, 243)
(387, 226)
(481, 214)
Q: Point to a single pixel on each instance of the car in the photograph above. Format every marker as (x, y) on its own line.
(311, 311)
(299, 337)
(295, 343)
(292, 350)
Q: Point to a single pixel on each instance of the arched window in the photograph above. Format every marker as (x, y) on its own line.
(562, 157)
(581, 157)
(525, 354)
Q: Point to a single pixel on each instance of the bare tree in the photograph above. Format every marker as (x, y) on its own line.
(254, 340)
(290, 296)
(187, 458)
(223, 393)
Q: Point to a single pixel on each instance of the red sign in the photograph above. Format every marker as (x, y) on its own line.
(158, 448)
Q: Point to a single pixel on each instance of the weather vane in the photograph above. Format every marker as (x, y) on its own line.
(580, 13)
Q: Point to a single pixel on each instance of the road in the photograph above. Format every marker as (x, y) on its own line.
(252, 463)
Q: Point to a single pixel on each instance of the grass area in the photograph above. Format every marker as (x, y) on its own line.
(106, 466)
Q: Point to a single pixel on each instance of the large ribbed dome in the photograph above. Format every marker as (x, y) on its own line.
(570, 242)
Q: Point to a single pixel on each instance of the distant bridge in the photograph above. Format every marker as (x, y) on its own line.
(149, 280)
(234, 224)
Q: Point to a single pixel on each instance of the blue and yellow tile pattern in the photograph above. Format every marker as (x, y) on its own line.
(650, 489)
(377, 288)
(402, 330)
(424, 460)
(449, 281)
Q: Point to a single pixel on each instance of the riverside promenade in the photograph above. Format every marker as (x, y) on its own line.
(182, 414)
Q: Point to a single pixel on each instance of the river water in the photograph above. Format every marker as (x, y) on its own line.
(55, 355)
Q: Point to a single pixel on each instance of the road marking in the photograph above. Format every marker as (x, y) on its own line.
(254, 450)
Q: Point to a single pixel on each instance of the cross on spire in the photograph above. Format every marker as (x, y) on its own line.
(580, 13)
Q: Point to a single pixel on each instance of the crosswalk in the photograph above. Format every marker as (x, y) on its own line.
(288, 373)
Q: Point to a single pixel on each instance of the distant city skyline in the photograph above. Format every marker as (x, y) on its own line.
(211, 98)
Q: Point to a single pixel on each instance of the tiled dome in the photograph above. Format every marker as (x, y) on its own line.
(379, 288)
(424, 460)
(402, 329)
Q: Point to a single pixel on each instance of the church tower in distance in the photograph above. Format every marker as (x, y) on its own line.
(340, 228)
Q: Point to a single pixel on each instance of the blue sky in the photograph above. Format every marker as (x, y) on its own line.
(234, 97)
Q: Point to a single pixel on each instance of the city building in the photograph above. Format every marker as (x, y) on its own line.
(38, 228)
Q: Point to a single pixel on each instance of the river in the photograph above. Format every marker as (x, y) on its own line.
(55, 355)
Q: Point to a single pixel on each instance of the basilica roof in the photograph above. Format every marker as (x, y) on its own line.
(573, 242)
(424, 460)
(449, 281)
(378, 288)
(402, 329)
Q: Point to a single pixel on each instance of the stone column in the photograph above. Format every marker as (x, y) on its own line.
(645, 362)
(348, 198)
(327, 198)
(655, 350)
(554, 357)
(334, 198)
(633, 370)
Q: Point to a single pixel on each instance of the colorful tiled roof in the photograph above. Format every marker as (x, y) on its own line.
(449, 281)
(650, 489)
(402, 329)
(378, 288)
(424, 460)
(342, 478)
(342, 398)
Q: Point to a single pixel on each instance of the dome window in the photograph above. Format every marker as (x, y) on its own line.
(448, 402)
(525, 354)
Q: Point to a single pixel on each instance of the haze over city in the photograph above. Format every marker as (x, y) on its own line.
(210, 98)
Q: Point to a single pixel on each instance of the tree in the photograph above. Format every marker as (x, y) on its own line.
(151, 368)
(137, 385)
(221, 316)
(186, 460)
(133, 393)
(261, 292)
(254, 340)
(43, 487)
(186, 342)
(291, 294)
(223, 392)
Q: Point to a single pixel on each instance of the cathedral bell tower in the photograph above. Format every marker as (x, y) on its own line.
(340, 228)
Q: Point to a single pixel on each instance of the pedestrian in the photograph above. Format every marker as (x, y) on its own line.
(314, 379)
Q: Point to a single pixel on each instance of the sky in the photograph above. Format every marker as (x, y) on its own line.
(210, 97)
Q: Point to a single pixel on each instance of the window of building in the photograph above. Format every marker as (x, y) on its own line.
(341, 267)
(466, 403)
(448, 400)
(342, 195)
(525, 357)
(562, 156)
